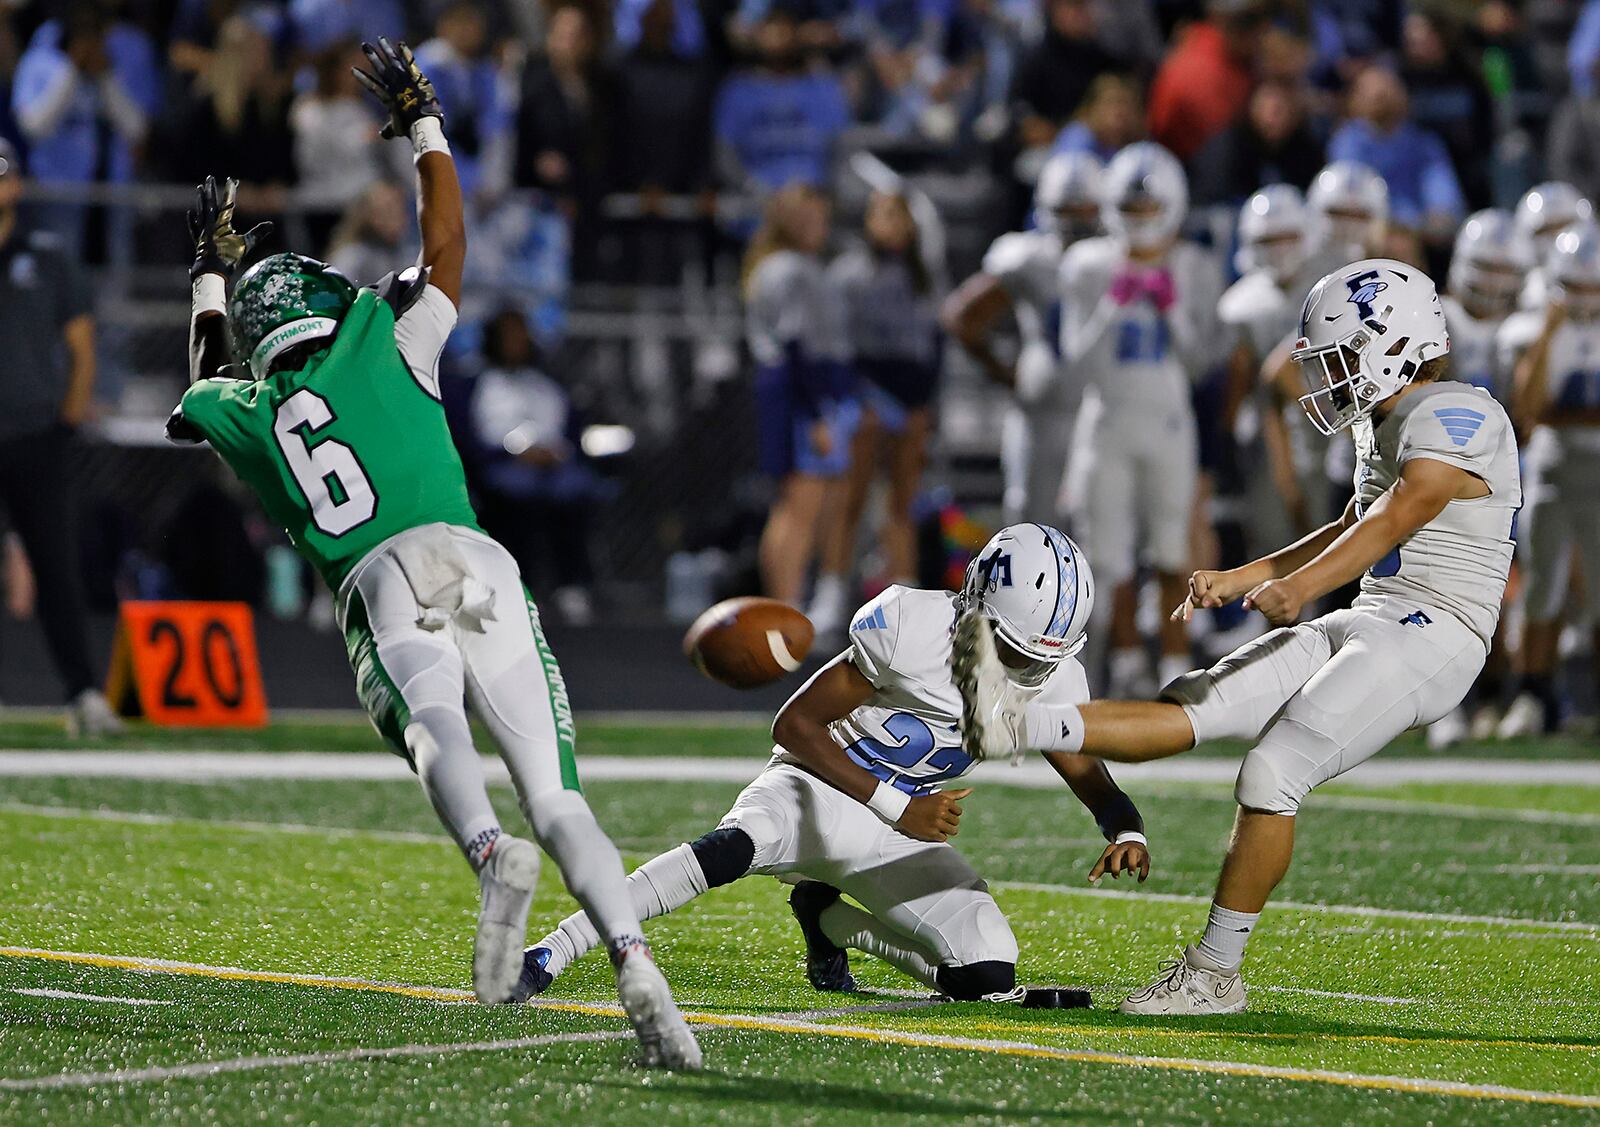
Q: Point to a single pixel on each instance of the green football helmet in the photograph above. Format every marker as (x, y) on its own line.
(284, 301)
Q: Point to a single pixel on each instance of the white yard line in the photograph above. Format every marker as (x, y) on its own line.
(73, 995)
(1566, 926)
(1381, 999)
(140, 818)
(207, 1068)
(208, 766)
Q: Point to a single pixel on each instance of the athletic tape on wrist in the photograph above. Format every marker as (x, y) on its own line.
(888, 803)
(1126, 836)
(209, 294)
(427, 136)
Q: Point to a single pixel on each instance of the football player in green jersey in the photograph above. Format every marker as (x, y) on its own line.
(324, 398)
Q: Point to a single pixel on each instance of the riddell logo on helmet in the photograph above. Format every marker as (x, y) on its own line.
(1049, 642)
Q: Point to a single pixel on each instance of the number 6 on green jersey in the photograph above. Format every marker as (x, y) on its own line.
(328, 472)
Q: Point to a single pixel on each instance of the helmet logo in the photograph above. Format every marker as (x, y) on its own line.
(1364, 288)
(996, 571)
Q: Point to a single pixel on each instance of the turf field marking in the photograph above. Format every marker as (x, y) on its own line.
(200, 765)
(298, 1060)
(1261, 1035)
(766, 1024)
(1366, 910)
(1381, 999)
(73, 995)
(141, 818)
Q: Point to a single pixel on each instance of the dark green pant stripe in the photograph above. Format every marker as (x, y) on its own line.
(560, 704)
(378, 693)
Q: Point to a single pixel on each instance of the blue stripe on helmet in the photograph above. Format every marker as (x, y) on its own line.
(1066, 583)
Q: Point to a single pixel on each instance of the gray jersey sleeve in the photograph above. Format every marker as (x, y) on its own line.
(420, 334)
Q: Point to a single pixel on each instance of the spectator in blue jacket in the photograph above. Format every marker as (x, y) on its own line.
(464, 75)
(777, 124)
(84, 94)
(1424, 192)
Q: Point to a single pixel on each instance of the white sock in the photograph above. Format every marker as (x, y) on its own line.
(1127, 666)
(849, 926)
(589, 863)
(1171, 667)
(829, 602)
(452, 777)
(1052, 727)
(660, 885)
(1226, 934)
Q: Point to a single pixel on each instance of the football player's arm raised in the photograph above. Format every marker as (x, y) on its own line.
(970, 315)
(801, 729)
(415, 113)
(1114, 812)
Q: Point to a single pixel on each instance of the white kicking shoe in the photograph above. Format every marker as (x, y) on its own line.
(506, 882)
(991, 706)
(1524, 718)
(1485, 722)
(1189, 984)
(664, 1037)
(90, 716)
(1447, 731)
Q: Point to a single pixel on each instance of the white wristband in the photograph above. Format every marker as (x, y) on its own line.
(209, 294)
(427, 136)
(1131, 835)
(888, 803)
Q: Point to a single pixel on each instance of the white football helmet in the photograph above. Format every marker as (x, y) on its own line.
(1488, 263)
(1349, 205)
(1544, 210)
(1069, 182)
(1144, 196)
(1272, 232)
(1574, 270)
(1364, 332)
(1034, 585)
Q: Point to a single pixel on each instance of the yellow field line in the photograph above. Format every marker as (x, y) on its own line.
(861, 1033)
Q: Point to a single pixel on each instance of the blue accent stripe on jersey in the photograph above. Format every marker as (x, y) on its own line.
(1460, 423)
(873, 621)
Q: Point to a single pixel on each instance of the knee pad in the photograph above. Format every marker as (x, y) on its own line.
(1265, 787)
(725, 855)
(978, 981)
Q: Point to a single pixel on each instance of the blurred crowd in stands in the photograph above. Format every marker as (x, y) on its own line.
(624, 143)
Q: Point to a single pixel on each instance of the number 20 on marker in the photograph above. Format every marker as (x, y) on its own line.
(187, 664)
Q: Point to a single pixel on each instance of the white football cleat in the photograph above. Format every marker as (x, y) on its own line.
(991, 706)
(1485, 722)
(90, 716)
(1524, 718)
(1447, 731)
(506, 881)
(664, 1037)
(1189, 984)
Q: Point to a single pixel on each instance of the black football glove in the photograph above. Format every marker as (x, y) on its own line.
(218, 248)
(402, 88)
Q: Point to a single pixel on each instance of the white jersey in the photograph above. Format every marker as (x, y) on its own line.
(1459, 560)
(1259, 312)
(1025, 265)
(792, 300)
(1474, 350)
(1133, 356)
(908, 733)
(1573, 381)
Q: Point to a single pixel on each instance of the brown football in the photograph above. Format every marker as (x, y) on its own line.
(748, 642)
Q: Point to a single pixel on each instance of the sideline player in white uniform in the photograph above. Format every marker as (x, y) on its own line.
(1019, 276)
(1555, 355)
(1543, 212)
(854, 799)
(1137, 310)
(1348, 207)
(1258, 312)
(1429, 532)
(1487, 269)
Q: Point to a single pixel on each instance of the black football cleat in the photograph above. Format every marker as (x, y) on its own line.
(827, 963)
(534, 979)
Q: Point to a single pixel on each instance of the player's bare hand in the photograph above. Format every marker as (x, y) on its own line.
(1279, 600)
(933, 817)
(1130, 857)
(1207, 589)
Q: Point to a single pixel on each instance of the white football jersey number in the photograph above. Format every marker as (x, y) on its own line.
(328, 472)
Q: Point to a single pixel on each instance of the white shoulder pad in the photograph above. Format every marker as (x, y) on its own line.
(1458, 424)
(1253, 298)
(1517, 333)
(903, 635)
